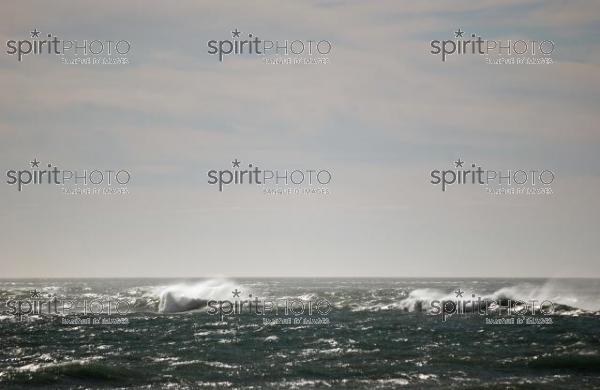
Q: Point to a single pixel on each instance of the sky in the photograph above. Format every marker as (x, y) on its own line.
(380, 116)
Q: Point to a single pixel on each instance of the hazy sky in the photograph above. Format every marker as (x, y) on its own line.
(380, 116)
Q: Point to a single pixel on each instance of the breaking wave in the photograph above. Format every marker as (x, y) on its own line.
(565, 297)
(185, 297)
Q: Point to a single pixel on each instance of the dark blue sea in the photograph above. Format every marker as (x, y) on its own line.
(299, 333)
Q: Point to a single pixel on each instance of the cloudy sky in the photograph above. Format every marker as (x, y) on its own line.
(380, 116)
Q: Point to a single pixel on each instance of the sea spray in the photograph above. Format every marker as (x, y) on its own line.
(185, 297)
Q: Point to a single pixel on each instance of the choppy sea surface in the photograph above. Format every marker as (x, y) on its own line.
(357, 333)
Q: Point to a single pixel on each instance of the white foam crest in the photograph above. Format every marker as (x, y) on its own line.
(559, 292)
(556, 291)
(185, 297)
(421, 298)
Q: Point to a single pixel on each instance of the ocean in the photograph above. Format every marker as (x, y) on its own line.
(258, 333)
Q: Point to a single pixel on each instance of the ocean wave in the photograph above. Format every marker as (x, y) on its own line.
(90, 370)
(36, 367)
(185, 297)
(565, 299)
(581, 362)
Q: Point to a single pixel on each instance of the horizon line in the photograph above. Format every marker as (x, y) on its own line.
(294, 277)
